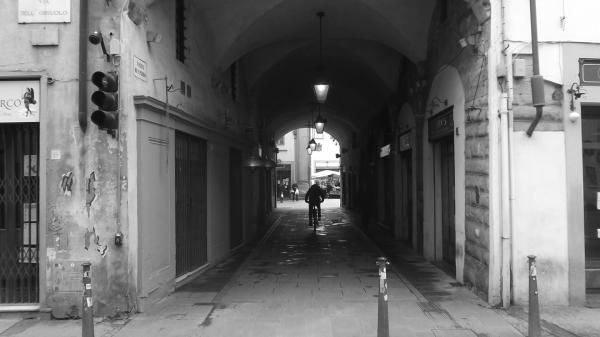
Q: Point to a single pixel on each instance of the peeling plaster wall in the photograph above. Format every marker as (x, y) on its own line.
(81, 224)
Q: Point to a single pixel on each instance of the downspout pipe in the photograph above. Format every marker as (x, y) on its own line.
(83, 40)
(537, 81)
(507, 181)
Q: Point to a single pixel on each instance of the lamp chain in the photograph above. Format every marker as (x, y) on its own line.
(321, 14)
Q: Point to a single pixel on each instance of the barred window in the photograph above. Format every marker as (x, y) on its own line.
(180, 30)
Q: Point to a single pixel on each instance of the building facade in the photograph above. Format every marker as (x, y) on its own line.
(438, 135)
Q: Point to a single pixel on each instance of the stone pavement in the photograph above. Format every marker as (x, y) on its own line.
(297, 283)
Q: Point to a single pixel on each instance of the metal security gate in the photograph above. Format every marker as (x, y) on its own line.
(190, 203)
(19, 213)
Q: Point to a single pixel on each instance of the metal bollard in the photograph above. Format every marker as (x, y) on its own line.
(383, 324)
(534, 306)
(87, 315)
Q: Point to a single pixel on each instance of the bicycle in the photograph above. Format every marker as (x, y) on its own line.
(312, 216)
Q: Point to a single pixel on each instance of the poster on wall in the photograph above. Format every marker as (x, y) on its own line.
(19, 101)
(44, 11)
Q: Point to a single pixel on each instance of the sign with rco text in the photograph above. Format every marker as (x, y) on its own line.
(19, 101)
(44, 11)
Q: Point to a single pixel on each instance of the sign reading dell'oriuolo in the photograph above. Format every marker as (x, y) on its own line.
(44, 11)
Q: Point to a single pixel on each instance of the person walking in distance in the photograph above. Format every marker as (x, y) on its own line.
(314, 197)
(295, 192)
(280, 191)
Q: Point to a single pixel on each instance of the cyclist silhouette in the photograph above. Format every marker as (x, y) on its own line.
(314, 197)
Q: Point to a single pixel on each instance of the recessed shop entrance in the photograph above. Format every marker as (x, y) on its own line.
(441, 134)
(590, 134)
(19, 213)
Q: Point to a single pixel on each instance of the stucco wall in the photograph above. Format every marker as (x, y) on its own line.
(540, 226)
(75, 232)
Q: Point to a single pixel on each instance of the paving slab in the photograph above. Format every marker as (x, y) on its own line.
(6, 323)
(298, 283)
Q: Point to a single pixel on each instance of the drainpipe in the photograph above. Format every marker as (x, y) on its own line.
(507, 182)
(537, 81)
(83, 37)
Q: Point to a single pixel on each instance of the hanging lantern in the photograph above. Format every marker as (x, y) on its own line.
(321, 90)
(320, 124)
(268, 163)
(308, 150)
(312, 144)
(254, 161)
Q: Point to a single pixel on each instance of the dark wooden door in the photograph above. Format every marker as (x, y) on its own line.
(448, 226)
(236, 235)
(406, 196)
(190, 203)
(19, 213)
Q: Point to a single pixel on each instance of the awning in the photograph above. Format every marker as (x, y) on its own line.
(325, 173)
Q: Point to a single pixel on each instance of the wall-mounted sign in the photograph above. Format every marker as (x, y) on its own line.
(44, 11)
(19, 101)
(385, 151)
(441, 125)
(404, 142)
(139, 68)
(589, 71)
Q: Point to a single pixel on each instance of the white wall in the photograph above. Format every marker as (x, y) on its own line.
(578, 16)
(557, 21)
(287, 150)
(540, 226)
(329, 147)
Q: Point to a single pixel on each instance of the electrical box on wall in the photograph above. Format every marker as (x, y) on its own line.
(519, 68)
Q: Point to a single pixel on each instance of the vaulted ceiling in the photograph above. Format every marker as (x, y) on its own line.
(276, 42)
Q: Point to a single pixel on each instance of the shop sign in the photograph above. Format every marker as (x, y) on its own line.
(139, 68)
(385, 151)
(404, 142)
(589, 71)
(441, 125)
(44, 11)
(19, 101)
